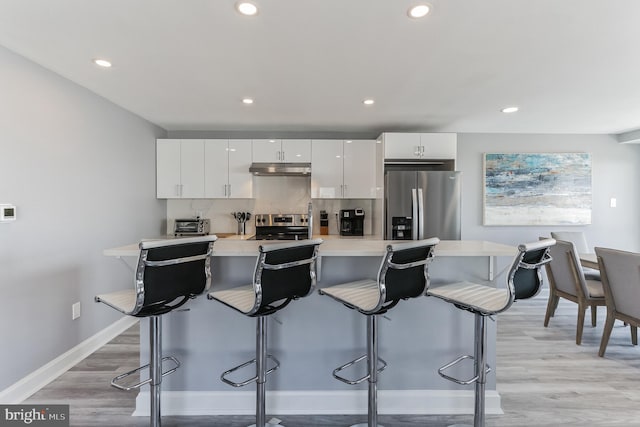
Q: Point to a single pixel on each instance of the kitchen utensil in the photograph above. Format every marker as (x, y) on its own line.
(241, 218)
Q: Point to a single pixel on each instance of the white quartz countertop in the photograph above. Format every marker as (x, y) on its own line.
(336, 246)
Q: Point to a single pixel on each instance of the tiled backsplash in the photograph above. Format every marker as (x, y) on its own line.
(273, 194)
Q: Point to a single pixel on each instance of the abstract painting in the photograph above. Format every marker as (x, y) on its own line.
(537, 189)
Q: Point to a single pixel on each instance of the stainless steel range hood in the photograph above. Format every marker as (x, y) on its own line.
(280, 169)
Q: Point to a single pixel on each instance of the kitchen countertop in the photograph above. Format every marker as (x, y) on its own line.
(338, 246)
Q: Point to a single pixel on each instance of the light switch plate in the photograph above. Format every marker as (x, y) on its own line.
(75, 311)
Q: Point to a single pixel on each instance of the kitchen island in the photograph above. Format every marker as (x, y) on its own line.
(314, 335)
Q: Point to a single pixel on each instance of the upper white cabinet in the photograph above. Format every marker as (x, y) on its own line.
(420, 145)
(179, 168)
(343, 169)
(227, 163)
(281, 150)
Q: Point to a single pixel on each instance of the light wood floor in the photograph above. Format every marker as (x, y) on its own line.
(544, 379)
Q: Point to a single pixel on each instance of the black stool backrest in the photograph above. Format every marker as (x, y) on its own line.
(404, 271)
(284, 271)
(525, 276)
(170, 272)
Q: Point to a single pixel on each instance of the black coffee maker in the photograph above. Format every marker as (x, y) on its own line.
(352, 222)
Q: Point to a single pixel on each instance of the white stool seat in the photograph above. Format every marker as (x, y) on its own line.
(484, 299)
(242, 298)
(362, 294)
(123, 301)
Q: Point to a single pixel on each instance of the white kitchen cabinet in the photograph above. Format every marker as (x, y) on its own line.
(359, 169)
(179, 168)
(420, 145)
(281, 150)
(227, 163)
(343, 169)
(326, 168)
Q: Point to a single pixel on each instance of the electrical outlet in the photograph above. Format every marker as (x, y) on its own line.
(75, 311)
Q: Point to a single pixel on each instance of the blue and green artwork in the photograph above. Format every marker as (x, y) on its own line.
(537, 189)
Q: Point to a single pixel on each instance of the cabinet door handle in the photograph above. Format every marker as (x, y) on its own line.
(278, 155)
(229, 190)
(345, 191)
(282, 156)
(416, 151)
(224, 189)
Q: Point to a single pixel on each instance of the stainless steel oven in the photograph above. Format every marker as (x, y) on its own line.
(281, 226)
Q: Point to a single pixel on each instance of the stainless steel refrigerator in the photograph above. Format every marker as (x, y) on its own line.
(420, 203)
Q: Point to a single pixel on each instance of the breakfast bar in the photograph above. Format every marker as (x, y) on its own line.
(425, 334)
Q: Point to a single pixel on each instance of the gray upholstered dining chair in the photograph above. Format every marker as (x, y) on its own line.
(579, 240)
(620, 272)
(567, 280)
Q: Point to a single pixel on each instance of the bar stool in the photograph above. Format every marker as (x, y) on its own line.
(283, 272)
(169, 273)
(403, 274)
(523, 281)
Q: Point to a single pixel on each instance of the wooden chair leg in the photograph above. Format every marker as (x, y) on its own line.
(580, 326)
(551, 307)
(594, 315)
(606, 333)
(634, 335)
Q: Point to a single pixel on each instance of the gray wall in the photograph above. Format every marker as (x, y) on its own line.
(615, 173)
(81, 172)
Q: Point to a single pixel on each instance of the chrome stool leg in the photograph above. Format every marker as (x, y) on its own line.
(372, 377)
(480, 354)
(261, 374)
(155, 367)
(480, 372)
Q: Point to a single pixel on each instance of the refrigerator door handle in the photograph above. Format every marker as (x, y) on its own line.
(420, 214)
(414, 218)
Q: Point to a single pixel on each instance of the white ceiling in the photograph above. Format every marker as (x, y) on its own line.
(572, 66)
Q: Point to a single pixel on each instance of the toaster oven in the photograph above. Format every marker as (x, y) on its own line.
(191, 227)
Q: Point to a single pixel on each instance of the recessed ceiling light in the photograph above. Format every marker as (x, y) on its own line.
(246, 8)
(510, 109)
(247, 100)
(102, 63)
(419, 11)
(368, 102)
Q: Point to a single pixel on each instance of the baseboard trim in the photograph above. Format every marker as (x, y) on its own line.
(39, 378)
(325, 402)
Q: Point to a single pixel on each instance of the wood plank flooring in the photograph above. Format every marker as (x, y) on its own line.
(544, 379)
